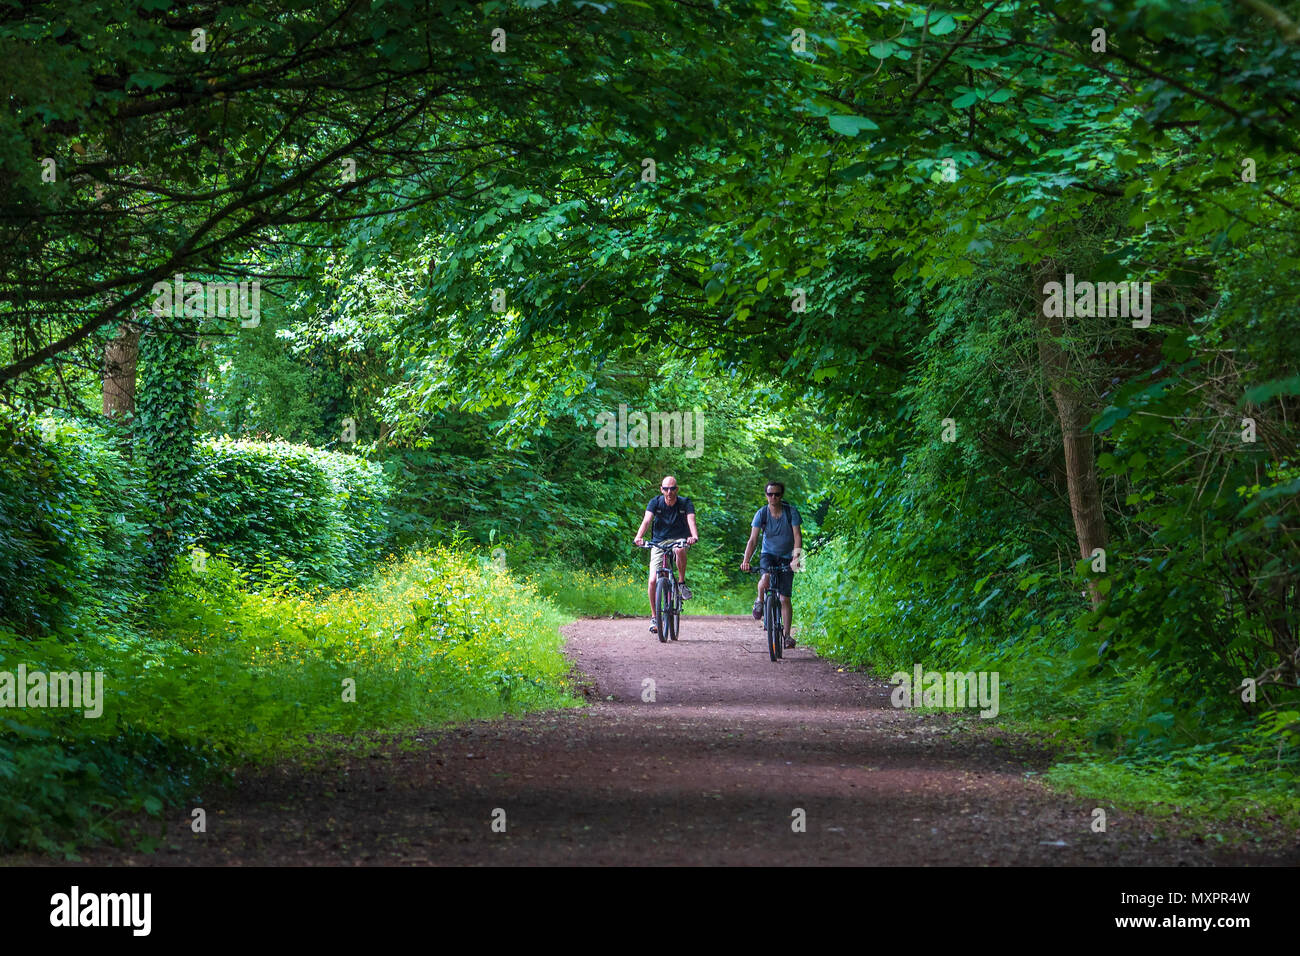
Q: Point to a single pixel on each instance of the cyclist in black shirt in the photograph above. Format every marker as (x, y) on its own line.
(674, 521)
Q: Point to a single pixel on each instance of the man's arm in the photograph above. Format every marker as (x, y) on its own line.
(749, 548)
(796, 559)
(645, 523)
(690, 523)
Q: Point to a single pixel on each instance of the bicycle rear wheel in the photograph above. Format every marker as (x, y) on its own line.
(662, 613)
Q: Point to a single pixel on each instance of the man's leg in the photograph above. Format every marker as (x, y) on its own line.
(681, 574)
(786, 590)
(758, 600)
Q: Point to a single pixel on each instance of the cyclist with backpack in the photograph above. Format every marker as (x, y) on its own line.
(782, 544)
(674, 522)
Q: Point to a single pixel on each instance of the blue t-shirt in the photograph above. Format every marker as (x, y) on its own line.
(670, 522)
(778, 535)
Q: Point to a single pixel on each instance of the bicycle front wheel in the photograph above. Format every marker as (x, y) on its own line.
(675, 627)
(663, 609)
(773, 621)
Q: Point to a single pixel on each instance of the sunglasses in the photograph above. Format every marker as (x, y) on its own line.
(667, 487)
(774, 494)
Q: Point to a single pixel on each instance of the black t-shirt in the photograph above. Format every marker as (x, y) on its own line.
(670, 522)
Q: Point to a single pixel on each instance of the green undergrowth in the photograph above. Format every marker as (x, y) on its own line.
(1233, 778)
(1222, 773)
(1140, 728)
(1194, 795)
(226, 675)
(435, 636)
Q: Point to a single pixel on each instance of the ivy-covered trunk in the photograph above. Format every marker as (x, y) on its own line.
(165, 435)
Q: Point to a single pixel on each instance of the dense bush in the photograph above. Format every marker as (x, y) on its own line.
(916, 589)
(74, 520)
(319, 515)
(72, 527)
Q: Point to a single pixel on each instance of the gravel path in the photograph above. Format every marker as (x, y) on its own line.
(714, 771)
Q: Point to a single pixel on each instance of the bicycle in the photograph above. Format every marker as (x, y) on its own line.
(668, 595)
(772, 623)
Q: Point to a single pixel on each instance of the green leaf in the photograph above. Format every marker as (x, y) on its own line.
(850, 125)
(1281, 386)
(945, 26)
(1110, 416)
(147, 80)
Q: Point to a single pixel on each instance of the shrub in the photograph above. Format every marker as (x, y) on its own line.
(318, 514)
(437, 635)
(72, 527)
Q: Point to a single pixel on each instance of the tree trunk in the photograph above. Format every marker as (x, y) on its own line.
(1080, 460)
(121, 355)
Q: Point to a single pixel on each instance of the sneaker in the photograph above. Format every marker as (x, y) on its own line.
(685, 591)
(654, 629)
(758, 610)
(789, 643)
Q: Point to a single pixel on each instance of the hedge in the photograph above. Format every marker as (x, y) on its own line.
(72, 527)
(319, 515)
(75, 520)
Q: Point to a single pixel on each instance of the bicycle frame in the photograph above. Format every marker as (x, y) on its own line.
(668, 597)
(773, 624)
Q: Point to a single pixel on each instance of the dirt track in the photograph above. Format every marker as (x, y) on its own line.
(708, 773)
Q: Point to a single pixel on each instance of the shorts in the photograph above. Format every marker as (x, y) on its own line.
(656, 553)
(782, 581)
